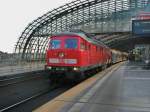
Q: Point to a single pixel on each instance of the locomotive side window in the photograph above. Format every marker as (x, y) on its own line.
(71, 43)
(96, 48)
(89, 47)
(55, 44)
(82, 46)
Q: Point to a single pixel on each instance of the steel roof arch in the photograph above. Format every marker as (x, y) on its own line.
(28, 43)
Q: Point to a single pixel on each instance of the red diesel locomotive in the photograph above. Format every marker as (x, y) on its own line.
(76, 52)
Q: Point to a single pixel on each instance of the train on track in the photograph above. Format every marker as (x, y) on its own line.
(75, 53)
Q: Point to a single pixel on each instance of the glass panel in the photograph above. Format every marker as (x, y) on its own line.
(71, 43)
(82, 46)
(55, 44)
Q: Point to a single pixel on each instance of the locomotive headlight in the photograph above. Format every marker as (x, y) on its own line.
(49, 67)
(75, 68)
(147, 61)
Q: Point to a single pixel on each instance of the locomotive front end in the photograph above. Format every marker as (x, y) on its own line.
(63, 54)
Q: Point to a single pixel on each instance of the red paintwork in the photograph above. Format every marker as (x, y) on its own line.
(85, 58)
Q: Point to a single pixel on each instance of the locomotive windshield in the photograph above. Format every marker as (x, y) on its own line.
(71, 43)
(55, 44)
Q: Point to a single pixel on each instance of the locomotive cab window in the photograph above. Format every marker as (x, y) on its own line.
(55, 44)
(71, 43)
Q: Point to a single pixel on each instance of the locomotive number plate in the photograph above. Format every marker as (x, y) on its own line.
(53, 60)
(65, 61)
(70, 61)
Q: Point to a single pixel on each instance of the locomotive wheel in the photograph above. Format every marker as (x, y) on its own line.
(82, 75)
(104, 67)
(79, 76)
(56, 78)
(88, 74)
(53, 78)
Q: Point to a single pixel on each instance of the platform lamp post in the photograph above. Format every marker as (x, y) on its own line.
(28, 57)
(11, 62)
(30, 51)
(38, 45)
(19, 54)
(37, 52)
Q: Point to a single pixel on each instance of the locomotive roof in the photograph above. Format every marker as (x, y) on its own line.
(82, 35)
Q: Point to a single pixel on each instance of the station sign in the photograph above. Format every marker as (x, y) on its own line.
(141, 27)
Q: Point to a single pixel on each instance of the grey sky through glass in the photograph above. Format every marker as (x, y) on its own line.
(15, 15)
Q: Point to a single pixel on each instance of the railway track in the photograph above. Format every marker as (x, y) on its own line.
(28, 99)
(15, 81)
(25, 87)
(59, 87)
(20, 88)
(6, 81)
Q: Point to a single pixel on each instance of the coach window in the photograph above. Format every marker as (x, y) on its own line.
(71, 43)
(55, 44)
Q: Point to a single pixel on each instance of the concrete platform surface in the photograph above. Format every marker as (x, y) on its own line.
(126, 89)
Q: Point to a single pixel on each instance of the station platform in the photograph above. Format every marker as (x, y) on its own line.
(124, 87)
(20, 68)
